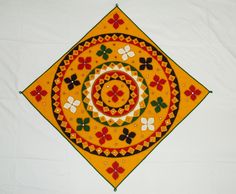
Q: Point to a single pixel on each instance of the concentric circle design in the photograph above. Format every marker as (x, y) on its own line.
(115, 94)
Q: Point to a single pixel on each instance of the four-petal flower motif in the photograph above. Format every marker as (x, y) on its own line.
(115, 170)
(158, 104)
(192, 92)
(71, 104)
(104, 52)
(147, 124)
(126, 52)
(158, 82)
(116, 21)
(83, 124)
(115, 93)
(38, 93)
(103, 135)
(145, 63)
(84, 62)
(72, 81)
(127, 136)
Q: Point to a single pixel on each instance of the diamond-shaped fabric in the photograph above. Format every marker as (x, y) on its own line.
(115, 96)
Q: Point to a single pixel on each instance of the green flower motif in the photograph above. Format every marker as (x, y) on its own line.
(104, 51)
(83, 124)
(158, 104)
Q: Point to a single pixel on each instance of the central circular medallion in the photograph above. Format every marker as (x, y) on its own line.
(115, 94)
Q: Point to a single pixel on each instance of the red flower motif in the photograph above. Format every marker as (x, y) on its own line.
(84, 62)
(38, 93)
(158, 82)
(114, 93)
(115, 170)
(192, 92)
(115, 21)
(103, 136)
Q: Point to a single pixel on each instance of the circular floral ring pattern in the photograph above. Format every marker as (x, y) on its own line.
(115, 94)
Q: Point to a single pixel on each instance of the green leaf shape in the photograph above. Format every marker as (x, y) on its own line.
(99, 53)
(103, 47)
(160, 100)
(79, 127)
(163, 105)
(158, 109)
(80, 121)
(86, 120)
(86, 127)
(109, 51)
(105, 56)
(154, 103)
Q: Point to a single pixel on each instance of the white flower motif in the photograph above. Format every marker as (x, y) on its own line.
(71, 104)
(126, 52)
(147, 124)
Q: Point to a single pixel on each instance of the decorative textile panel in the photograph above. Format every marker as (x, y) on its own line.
(115, 95)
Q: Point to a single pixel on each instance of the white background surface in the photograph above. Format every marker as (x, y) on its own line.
(200, 154)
